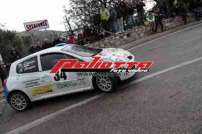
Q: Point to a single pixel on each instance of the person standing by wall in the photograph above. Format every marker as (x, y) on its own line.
(80, 39)
(14, 55)
(2, 73)
(183, 11)
(158, 19)
(113, 19)
(71, 38)
(140, 11)
(104, 17)
(130, 18)
(120, 15)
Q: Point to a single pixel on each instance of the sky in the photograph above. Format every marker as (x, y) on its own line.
(13, 13)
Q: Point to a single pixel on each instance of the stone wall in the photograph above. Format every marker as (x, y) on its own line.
(120, 39)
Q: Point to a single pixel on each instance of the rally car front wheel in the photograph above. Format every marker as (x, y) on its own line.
(105, 82)
(19, 101)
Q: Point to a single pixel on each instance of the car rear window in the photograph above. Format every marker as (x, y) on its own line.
(28, 66)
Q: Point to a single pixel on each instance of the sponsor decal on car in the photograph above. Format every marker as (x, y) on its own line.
(67, 84)
(32, 83)
(99, 65)
(42, 90)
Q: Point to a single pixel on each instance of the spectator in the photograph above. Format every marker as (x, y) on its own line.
(32, 49)
(140, 11)
(71, 39)
(151, 19)
(113, 19)
(183, 11)
(130, 17)
(80, 39)
(2, 73)
(96, 22)
(120, 14)
(158, 19)
(86, 31)
(14, 55)
(197, 6)
(38, 48)
(164, 8)
(104, 17)
(47, 45)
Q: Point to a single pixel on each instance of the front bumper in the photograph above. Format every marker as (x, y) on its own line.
(125, 76)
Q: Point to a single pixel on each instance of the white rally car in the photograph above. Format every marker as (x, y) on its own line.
(30, 80)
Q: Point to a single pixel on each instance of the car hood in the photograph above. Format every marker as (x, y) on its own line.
(116, 54)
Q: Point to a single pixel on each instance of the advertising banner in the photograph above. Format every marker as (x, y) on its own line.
(36, 25)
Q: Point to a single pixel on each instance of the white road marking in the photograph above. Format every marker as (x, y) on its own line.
(37, 122)
(167, 70)
(164, 36)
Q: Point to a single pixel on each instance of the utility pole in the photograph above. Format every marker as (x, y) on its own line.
(68, 24)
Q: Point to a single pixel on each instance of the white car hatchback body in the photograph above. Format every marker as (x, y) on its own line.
(30, 79)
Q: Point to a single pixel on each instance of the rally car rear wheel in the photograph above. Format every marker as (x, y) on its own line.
(19, 101)
(105, 83)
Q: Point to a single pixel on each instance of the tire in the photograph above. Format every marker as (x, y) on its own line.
(105, 82)
(19, 101)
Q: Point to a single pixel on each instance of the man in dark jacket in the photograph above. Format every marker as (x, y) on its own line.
(113, 19)
(14, 55)
(158, 18)
(140, 11)
(183, 11)
(119, 7)
(130, 17)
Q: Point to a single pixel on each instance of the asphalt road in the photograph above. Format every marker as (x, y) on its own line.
(167, 100)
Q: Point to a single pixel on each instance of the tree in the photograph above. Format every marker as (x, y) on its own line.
(9, 40)
(82, 12)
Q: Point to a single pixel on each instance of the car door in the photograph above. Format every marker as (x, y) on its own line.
(69, 82)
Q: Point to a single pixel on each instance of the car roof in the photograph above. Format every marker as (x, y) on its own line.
(54, 49)
(48, 50)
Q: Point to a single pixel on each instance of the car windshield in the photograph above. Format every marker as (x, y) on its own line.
(82, 50)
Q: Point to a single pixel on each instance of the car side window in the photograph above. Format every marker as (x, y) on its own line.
(28, 66)
(49, 60)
